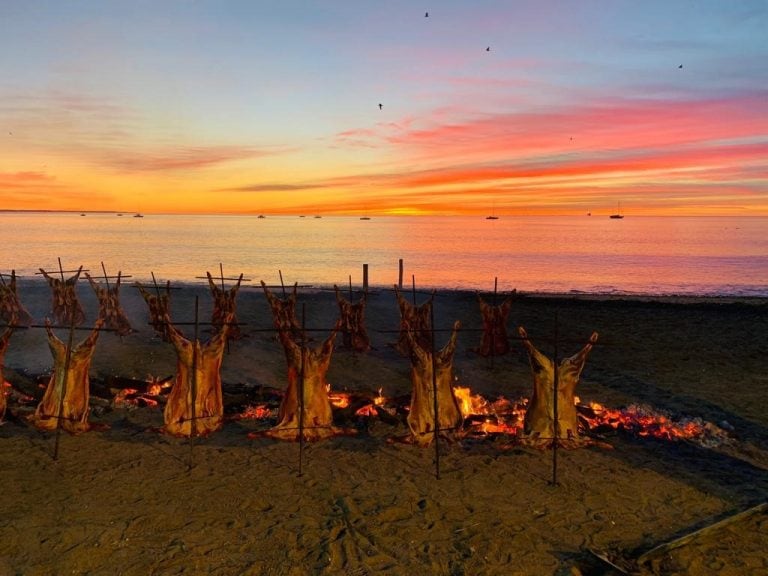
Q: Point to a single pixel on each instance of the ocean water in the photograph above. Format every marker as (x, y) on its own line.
(562, 254)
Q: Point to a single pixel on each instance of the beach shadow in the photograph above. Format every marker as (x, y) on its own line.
(706, 469)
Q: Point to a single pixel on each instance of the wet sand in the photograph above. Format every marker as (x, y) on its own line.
(130, 500)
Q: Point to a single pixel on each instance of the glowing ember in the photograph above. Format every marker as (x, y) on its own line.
(369, 410)
(379, 400)
(644, 421)
(257, 412)
(130, 398)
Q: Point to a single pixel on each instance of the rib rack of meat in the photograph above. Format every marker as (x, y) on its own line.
(416, 320)
(109, 306)
(539, 424)
(284, 312)
(195, 406)
(421, 416)
(11, 309)
(225, 305)
(66, 307)
(310, 419)
(65, 401)
(159, 308)
(494, 341)
(353, 330)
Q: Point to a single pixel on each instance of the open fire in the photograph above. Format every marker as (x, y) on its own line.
(505, 418)
(482, 417)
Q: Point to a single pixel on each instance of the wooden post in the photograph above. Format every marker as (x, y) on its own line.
(365, 278)
(400, 276)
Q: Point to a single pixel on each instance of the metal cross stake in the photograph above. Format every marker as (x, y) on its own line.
(555, 383)
(435, 404)
(67, 360)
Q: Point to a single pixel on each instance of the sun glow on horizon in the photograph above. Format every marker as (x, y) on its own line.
(385, 112)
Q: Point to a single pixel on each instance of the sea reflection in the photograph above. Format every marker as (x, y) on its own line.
(551, 254)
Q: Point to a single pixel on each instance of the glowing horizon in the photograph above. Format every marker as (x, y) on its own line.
(252, 108)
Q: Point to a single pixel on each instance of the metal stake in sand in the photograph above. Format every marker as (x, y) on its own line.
(436, 424)
(193, 383)
(280, 272)
(67, 360)
(301, 384)
(555, 384)
(493, 331)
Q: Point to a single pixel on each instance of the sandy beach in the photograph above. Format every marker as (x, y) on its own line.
(127, 499)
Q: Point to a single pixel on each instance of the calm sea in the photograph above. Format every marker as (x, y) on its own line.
(637, 255)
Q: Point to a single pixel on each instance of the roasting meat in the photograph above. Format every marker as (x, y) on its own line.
(416, 320)
(4, 341)
(315, 409)
(539, 424)
(494, 341)
(11, 310)
(66, 307)
(421, 417)
(65, 401)
(109, 306)
(159, 309)
(195, 406)
(225, 305)
(284, 312)
(353, 330)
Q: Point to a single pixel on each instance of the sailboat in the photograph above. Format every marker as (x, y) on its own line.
(617, 215)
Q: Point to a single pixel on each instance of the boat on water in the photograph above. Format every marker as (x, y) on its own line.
(617, 215)
(365, 217)
(261, 216)
(491, 217)
(138, 215)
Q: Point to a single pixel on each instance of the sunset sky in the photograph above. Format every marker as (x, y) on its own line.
(517, 107)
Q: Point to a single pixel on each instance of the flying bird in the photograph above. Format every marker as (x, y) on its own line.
(680, 66)
(426, 14)
(488, 49)
(381, 106)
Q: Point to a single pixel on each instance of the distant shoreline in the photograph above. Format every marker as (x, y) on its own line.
(373, 215)
(424, 292)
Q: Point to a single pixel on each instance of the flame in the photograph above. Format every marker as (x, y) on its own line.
(469, 404)
(156, 385)
(339, 399)
(501, 415)
(379, 400)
